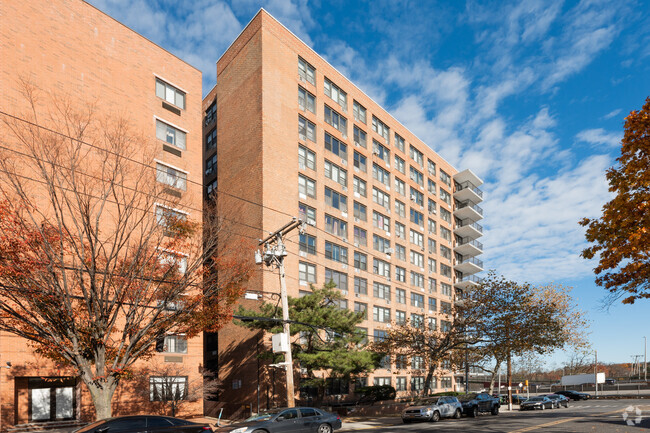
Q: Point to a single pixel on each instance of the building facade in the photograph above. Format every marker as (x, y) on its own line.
(69, 49)
(392, 223)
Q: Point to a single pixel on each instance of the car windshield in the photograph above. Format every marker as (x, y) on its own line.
(425, 401)
(263, 416)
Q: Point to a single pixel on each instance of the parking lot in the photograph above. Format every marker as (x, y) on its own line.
(583, 416)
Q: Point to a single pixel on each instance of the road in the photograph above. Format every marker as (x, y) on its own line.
(583, 416)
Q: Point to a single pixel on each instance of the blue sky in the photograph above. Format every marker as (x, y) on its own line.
(531, 95)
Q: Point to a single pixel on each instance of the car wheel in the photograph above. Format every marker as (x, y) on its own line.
(457, 414)
(474, 412)
(324, 428)
(495, 410)
(543, 407)
(259, 431)
(435, 417)
(406, 421)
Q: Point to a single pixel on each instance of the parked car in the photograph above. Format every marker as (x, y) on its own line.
(432, 409)
(610, 381)
(474, 403)
(295, 420)
(537, 403)
(558, 400)
(574, 395)
(144, 423)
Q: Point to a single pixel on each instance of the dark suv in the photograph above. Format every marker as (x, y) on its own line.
(473, 404)
(574, 395)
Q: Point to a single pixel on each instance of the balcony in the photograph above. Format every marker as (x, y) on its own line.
(469, 266)
(468, 210)
(468, 191)
(468, 176)
(468, 282)
(469, 247)
(469, 229)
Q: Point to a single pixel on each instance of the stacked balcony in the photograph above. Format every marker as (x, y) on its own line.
(467, 213)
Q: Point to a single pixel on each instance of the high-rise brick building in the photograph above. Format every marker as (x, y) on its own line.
(391, 222)
(68, 48)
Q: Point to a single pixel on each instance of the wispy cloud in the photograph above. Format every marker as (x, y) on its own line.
(599, 136)
(611, 114)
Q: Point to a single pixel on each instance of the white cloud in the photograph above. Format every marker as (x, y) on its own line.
(600, 136)
(611, 114)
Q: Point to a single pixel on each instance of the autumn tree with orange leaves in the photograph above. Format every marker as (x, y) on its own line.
(621, 236)
(98, 260)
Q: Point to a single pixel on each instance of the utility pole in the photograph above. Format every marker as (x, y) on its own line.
(596, 370)
(273, 255)
(645, 359)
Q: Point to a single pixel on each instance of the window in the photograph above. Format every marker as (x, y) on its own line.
(360, 261)
(170, 93)
(360, 138)
(172, 344)
(400, 360)
(431, 167)
(417, 300)
(338, 278)
(416, 155)
(433, 307)
(416, 176)
(380, 244)
(417, 238)
(381, 151)
(212, 187)
(445, 308)
(167, 388)
(445, 326)
(306, 158)
(417, 383)
(360, 286)
(431, 226)
(360, 162)
(445, 178)
(360, 236)
(432, 324)
(400, 230)
(432, 266)
(336, 226)
(359, 186)
(336, 200)
(445, 233)
(445, 270)
(417, 259)
(381, 381)
(307, 213)
(307, 243)
(400, 165)
(211, 165)
(445, 289)
(380, 221)
(400, 383)
(361, 308)
(399, 142)
(381, 175)
(380, 128)
(335, 92)
(210, 114)
(336, 173)
(445, 382)
(168, 218)
(360, 211)
(336, 252)
(417, 362)
(400, 252)
(445, 252)
(381, 198)
(417, 218)
(417, 280)
(380, 267)
(431, 207)
(306, 100)
(433, 285)
(400, 319)
(306, 129)
(171, 176)
(380, 314)
(306, 186)
(445, 196)
(400, 208)
(431, 187)
(417, 197)
(432, 246)
(306, 272)
(445, 214)
(211, 139)
(400, 296)
(400, 274)
(400, 186)
(359, 112)
(306, 72)
(381, 291)
(333, 118)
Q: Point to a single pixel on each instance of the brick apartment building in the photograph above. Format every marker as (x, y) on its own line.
(391, 222)
(69, 48)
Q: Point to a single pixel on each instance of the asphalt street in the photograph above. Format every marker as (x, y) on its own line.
(584, 416)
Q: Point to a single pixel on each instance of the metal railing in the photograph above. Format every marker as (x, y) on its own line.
(469, 185)
(470, 241)
(470, 223)
(477, 208)
(474, 261)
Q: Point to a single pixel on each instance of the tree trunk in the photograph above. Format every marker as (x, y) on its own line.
(494, 375)
(101, 393)
(509, 382)
(427, 381)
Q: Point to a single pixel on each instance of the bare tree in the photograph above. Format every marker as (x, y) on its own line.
(99, 256)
